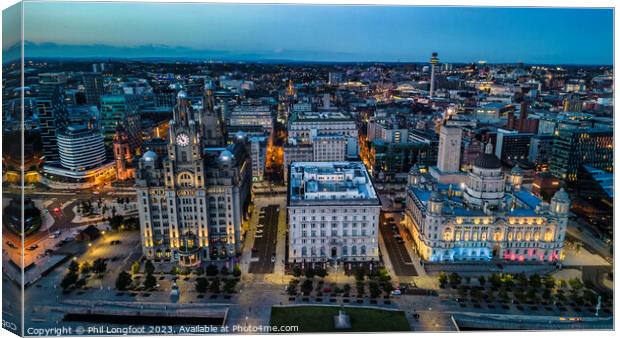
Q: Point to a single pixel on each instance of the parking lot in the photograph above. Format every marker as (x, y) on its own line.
(265, 240)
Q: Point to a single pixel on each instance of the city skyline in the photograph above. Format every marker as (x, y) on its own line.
(323, 33)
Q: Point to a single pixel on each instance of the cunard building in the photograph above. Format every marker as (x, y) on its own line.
(192, 201)
(487, 217)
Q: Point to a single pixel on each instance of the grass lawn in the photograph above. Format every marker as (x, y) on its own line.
(321, 319)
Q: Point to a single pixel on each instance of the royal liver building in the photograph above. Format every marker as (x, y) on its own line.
(192, 201)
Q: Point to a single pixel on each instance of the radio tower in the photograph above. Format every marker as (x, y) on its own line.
(434, 61)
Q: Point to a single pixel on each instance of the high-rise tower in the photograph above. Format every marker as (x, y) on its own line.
(434, 61)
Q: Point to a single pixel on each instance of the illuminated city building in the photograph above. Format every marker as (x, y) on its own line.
(489, 217)
(333, 213)
(191, 202)
(123, 155)
(574, 148)
(82, 159)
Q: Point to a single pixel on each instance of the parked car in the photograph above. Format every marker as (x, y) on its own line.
(395, 292)
(10, 244)
(259, 231)
(32, 247)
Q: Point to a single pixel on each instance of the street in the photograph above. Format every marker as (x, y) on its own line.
(265, 241)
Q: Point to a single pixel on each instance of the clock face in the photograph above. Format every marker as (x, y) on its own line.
(183, 140)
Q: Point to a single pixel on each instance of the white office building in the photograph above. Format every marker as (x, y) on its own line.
(333, 213)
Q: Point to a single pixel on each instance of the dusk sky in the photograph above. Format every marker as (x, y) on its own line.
(321, 33)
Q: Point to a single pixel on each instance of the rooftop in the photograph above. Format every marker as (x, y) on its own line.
(323, 116)
(329, 183)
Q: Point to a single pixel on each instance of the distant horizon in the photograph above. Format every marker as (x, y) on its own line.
(315, 33)
(231, 58)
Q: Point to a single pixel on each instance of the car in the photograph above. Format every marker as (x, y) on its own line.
(395, 292)
(48, 252)
(32, 247)
(53, 236)
(259, 231)
(57, 232)
(259, 225)
(400, 241)
(258, 236)
(273, 259)
(10, 244)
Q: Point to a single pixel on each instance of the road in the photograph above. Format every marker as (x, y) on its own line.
(589, 240)
(266, 245)
(399, 257)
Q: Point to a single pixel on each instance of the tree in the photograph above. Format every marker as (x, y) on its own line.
(224, 271)
(149, 268)
(135, 268)
(496, 280)
(443, 279)
(549, 282)
(215, 285)
(237, 271)
(482, 281)
(310, 273)
(229, 285)
(74, 266)
(69, 279)
(123, 281)
(535, 281)
(150, 282)
(201, 285)
(99, 265)
(296, 271)
(522, 279)
(346, 288)
(116, 221)
(321, 272)
(86, 268)
(575, 284)
(455, 279)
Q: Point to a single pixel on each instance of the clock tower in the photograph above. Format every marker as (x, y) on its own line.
(185, 183)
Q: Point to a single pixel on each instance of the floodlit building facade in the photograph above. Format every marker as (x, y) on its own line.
(489, 217)
(333, 213)
(191, 202)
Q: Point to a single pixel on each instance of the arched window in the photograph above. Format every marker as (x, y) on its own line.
(363, 250)
(548, 235)
(304, 251)
(345, 250)
(353, 250)
(322, 251)
(447, 234)
(313, 251)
